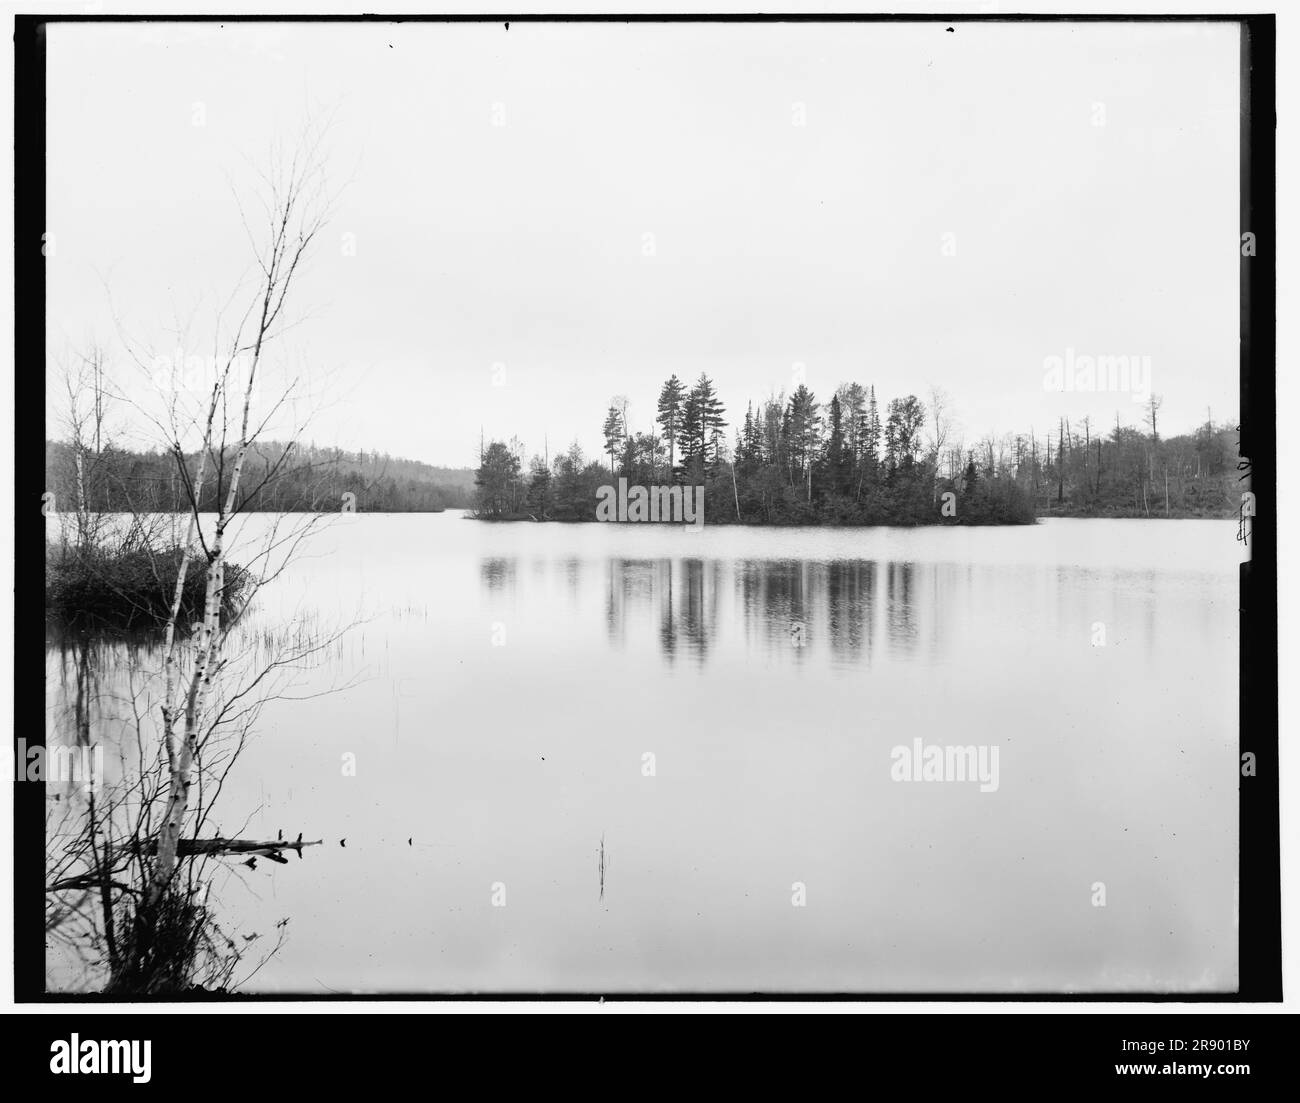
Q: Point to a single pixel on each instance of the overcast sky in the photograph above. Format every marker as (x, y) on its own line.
(956, 208)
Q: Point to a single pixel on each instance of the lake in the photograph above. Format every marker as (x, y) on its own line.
(604, 758)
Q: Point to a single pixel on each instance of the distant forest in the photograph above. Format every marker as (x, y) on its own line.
(798, 460)
(277, 478)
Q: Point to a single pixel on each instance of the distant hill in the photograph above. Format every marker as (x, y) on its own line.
(276, 479)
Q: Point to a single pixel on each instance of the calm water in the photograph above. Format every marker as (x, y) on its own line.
(503, 684)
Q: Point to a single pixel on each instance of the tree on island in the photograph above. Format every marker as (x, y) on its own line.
(497, 484)
(795, 460)
(615, 434)
(671, 400)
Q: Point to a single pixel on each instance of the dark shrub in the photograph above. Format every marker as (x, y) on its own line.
(134, 589)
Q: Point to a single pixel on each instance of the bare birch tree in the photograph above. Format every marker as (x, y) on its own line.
(295, 209)
(140, 834)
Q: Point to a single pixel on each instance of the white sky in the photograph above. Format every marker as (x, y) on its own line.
(775, 244)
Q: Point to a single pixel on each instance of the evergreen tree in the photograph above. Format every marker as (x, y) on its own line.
(712, 422)
(839, 461)
(871, 436)
(497, 482)
(670, 416)
(690, 437)
(538, 499)
(803, 432)
(614, 435)
(749, 448)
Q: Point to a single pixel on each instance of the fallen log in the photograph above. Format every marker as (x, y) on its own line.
(186, 848)
(242, 846)
(219, 846)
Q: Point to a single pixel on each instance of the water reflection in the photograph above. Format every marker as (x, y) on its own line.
(849, 611)
(794, 661)
(850, 595)
(845, 608)
(498, 573)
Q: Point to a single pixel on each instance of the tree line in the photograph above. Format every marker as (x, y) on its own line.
(797, 459)
(281, 478)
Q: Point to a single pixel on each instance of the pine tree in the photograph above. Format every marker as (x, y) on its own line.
(750, 446)
(538, 498)
(670, 416)
(496, 481)
(614, 435)
(803, 431)
(871, 433)
(712, 421)
(839, 462)
(690, 434)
